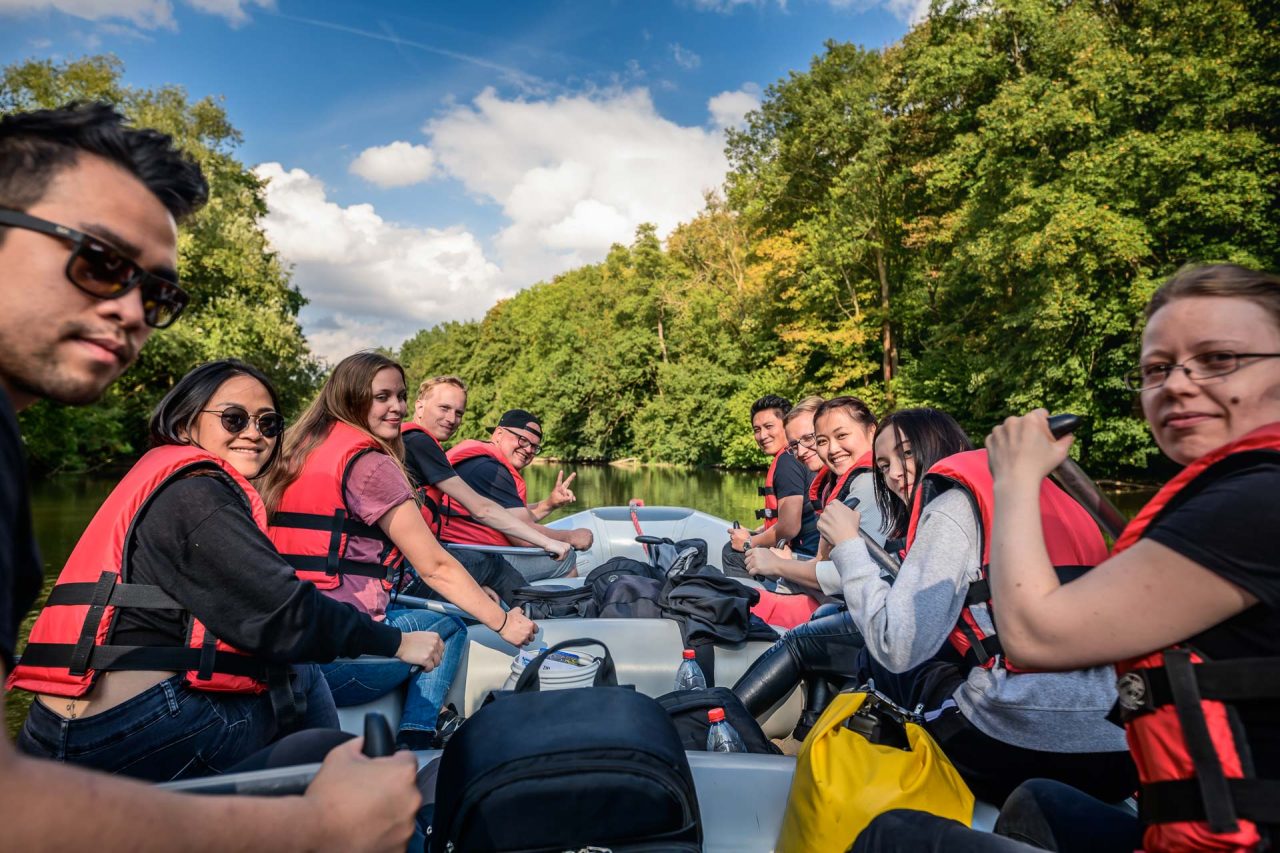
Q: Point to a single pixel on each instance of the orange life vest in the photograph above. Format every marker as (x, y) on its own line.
(70, 644)
(770, 511)
(820, 494)
(427, 495)
(1199, 791)
(459, 527)
(312, 525)
(1072, 539)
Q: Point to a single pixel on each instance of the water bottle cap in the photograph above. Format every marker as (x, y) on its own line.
(689, 654)
(715, 715)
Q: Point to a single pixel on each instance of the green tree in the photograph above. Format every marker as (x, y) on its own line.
(242, 302)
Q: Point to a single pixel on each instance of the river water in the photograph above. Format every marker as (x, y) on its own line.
(62, 506)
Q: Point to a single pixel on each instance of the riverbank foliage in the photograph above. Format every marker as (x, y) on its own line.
(241, 300)
(970, 219)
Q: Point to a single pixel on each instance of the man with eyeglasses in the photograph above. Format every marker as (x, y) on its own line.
(88, 257)
(492, 469)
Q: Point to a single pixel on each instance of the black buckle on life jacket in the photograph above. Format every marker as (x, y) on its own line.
(764, 491)
(766, 513)
(288, 706)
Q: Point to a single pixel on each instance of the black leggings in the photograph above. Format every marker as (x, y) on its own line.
(490, 570)
(828, 648)
(1039, 815)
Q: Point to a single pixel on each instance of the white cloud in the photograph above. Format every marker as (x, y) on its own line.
(396, 165)
(729, 109)
(575, 174)
(233, 10)
(370, 282)
(685, 58)
(911, 11)
(148, 14)
(143, 13)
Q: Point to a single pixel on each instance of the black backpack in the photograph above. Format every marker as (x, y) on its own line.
(562, 770)
(541, 602)
(688, 711)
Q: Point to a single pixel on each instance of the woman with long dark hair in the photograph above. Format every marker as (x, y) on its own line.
(173, 643)
(345, 515)
(828, 647)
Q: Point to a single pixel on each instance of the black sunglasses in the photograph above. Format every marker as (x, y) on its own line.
(101, 270)
(236, 420)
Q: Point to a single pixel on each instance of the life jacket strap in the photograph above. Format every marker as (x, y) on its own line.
(1144, 690)
(1179, 800)
(1215, 794)
(339, 522)
(135, 595)
(142, 658)
(764, 491)
(339, 566)
(766, 513)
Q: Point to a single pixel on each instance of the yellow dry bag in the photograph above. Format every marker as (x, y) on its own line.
(865, 757)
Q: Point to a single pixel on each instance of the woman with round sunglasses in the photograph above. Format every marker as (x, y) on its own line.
(172, 644)
(1187, 607)
(345, 515)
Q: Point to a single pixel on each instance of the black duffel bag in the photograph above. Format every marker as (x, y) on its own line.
(688, 711)
(566, 770)
(551, 603)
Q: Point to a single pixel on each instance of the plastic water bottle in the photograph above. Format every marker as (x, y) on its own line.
(689, 676)
(722, 737)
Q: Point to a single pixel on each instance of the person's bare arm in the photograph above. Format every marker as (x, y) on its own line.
(790, 515)
(354, 803)
(579, 538)
(507, 522)
(774, 562)
(403, 524)
(1146, 598)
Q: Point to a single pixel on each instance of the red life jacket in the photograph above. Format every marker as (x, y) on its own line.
(312, 526)
(770, 511)
(1074, 543)
(820, 496)
(459, 526)
(1199, 791)
(427, 495)
(71, 640)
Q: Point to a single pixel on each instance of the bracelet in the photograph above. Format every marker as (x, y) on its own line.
(505, 614)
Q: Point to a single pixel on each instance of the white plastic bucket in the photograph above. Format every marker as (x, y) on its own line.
(562, 670)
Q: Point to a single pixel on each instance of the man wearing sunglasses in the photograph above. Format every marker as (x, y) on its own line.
(88, 257)
(492, 470)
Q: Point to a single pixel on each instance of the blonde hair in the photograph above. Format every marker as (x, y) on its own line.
(809, 405)
(447, 379)
(347, 396)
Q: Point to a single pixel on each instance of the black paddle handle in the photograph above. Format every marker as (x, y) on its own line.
(1076, 483)
(378, 740)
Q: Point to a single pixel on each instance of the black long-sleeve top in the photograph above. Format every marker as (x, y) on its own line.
(197, 540)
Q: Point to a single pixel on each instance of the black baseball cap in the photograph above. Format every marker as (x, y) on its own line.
(519, 419)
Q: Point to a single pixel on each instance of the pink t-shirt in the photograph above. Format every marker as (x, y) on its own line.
(375, 485)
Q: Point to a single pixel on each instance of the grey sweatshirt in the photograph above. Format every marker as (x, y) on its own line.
(905, 624)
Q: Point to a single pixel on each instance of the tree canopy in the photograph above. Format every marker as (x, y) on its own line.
(970, 219)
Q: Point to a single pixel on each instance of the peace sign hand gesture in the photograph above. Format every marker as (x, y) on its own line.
(562, 494)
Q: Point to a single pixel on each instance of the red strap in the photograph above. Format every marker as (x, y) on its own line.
(635, 520)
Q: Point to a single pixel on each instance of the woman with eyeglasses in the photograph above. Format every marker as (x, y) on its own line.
(345, 516)
(172, 644)
(1188, 605)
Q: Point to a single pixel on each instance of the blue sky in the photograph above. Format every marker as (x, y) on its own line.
(428, 158)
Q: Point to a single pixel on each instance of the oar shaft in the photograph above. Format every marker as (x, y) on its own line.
(1076, 483)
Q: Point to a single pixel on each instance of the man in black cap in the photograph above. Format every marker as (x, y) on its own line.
(492, 469)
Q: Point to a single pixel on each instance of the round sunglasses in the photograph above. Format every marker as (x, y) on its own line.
(101, 270)
(236, 420)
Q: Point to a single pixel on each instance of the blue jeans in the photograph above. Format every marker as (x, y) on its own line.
(357, 683)
(170, 731)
